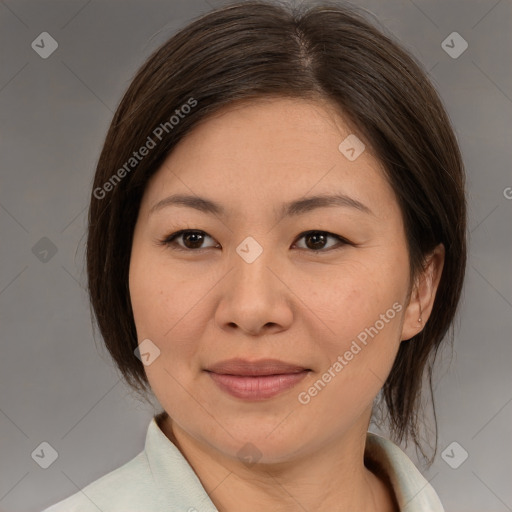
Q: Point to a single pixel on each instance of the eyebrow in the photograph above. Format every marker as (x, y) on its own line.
(290, 209)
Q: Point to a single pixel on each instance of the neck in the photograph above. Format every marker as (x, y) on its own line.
(333, 477)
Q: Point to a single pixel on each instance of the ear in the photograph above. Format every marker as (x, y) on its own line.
(423, 294)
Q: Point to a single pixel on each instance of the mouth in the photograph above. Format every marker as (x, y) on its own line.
(256, 380)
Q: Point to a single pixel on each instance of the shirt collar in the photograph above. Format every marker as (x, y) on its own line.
(413, 492)
(176, 480)
(179, 484)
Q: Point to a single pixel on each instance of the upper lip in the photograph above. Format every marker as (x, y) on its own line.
(239, 366)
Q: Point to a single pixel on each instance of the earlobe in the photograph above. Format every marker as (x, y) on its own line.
(423, 294)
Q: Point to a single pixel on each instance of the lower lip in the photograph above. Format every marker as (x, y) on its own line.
(257, 388)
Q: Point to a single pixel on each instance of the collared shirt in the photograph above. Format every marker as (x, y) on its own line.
(159, 479)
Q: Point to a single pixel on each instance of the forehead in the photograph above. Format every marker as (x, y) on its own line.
(269, 151)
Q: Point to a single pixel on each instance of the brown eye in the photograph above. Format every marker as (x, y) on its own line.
(191, 240)
(316, 240)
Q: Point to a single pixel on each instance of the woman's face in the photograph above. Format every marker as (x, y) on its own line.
(253, 285)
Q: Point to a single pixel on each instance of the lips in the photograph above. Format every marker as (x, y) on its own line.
(256, 380)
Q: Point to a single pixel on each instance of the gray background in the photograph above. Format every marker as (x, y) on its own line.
(58, 385)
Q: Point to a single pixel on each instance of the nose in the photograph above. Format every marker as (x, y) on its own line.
(255, 297)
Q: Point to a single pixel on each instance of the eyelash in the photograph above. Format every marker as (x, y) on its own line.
(169, 241)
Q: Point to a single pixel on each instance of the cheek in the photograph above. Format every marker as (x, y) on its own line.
(166, 308)
(151, 292)
(162, 309)
(348, 298)
(357, 355)
(358, 311)
(146, 297)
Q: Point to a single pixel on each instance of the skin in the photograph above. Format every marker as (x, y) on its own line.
(298, 302)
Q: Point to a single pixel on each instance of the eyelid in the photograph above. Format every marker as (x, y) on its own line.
(170, 240)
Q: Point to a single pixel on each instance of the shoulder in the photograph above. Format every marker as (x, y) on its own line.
(158, 478)
(124, 489)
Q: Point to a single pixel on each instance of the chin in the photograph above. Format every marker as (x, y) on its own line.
(267, 440)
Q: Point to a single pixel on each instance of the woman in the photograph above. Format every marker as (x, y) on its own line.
(276, 239)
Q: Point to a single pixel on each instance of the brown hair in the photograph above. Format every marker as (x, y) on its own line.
(256, 49)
